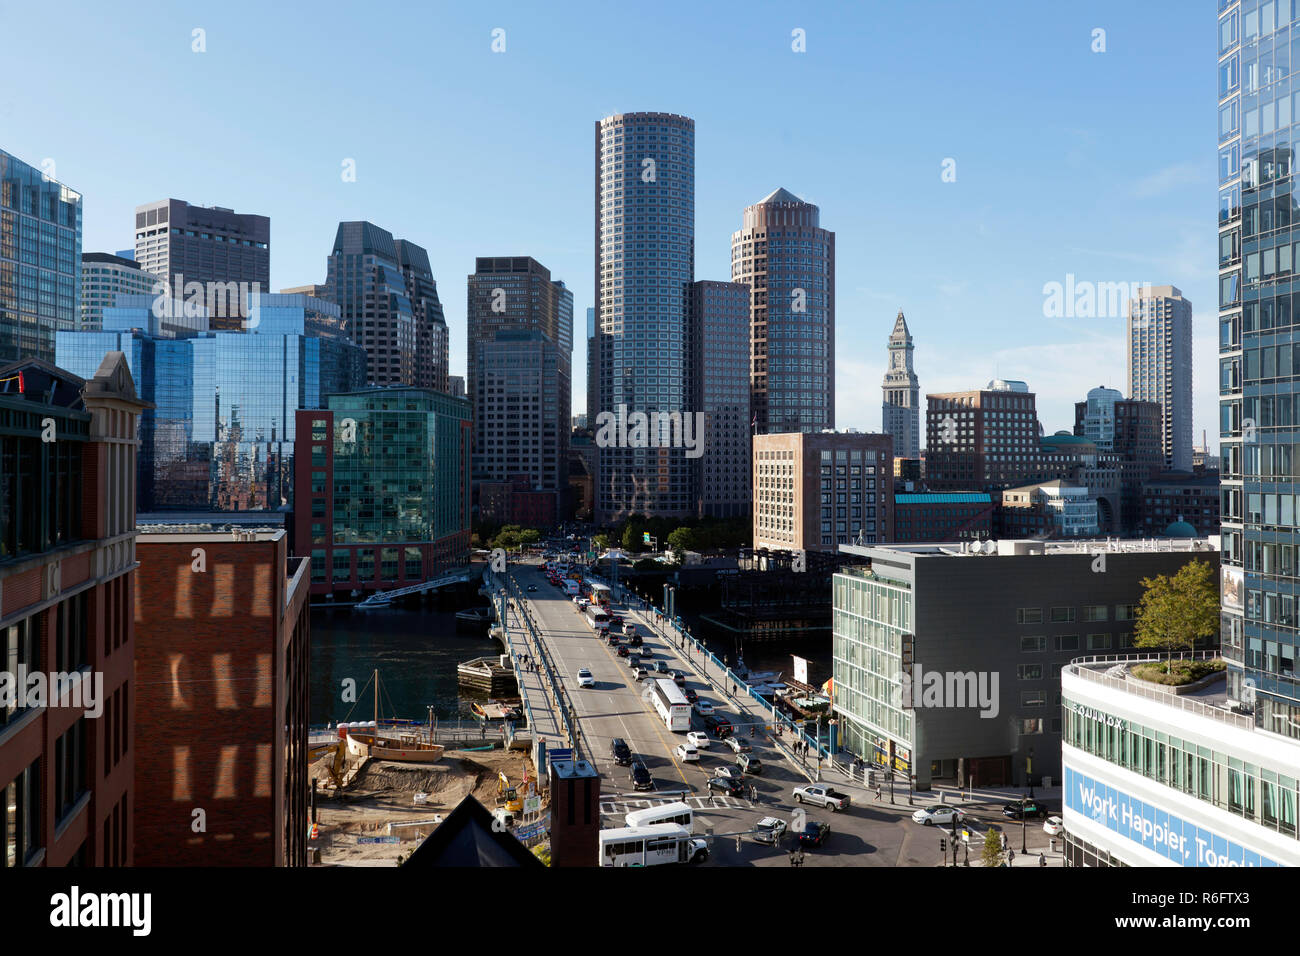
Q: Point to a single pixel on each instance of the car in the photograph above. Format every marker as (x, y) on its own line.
(822, 796)
(687, 754)
(690, 695)
(1053, 826)
(611, 639)
(633, 637)
(698, 739)
(940, 814)
(531, 588)
(614, 626)
(640, 776)
(719, 727)
(633, 660)
(622, 651)
(731, 773)
(703, 708)
(585, 679)
(814, 833)
(738, 745)
(661, 667)
(1031, 808)
(640, 673)
(749, 763)
(620, 751)
(769, 830)
(732, 788)
(679, 678)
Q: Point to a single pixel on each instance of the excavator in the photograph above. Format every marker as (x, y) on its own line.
(512, 797)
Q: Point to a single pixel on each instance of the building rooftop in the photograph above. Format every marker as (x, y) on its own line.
(943, 498)
(1210, 701)
(1017, 547)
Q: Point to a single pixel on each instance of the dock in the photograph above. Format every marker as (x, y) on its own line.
(487, 676)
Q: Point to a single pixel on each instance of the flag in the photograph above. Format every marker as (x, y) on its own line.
(754, 424)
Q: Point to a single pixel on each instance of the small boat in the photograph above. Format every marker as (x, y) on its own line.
(475, 616)
(368, 740)
(496, 710)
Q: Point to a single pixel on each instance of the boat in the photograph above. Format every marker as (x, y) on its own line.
(497, 710)
(364, 739)
(475, 616)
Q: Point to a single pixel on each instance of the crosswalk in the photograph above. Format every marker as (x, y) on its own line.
(622, 807)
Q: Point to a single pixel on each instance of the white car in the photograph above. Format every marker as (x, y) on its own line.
(585, 679)
(1053, 826)
(686, 753)
(729, 772)
(939, 814)
(698, 739)
(769, 830)
(703, 708)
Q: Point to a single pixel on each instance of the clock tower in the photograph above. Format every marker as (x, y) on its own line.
(901, 411)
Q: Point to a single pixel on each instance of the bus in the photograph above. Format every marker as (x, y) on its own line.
(650, 846)
(597, 618)
(599, 593)
(679, 813)
(672, 705)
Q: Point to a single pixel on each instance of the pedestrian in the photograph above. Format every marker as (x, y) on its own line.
(1004, 842)
(1042, 860)
(877, 793)
(1011, 857)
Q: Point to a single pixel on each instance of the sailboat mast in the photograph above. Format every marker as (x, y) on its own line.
(376, 706)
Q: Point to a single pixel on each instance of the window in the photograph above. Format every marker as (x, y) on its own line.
(1033, 698)
(1030, 725)
(69, 769)
(1031, 644)
(20, 645)
(1098, 642)
(1029, 615)
(22, 816)
(1062, 615)
(1095, 612)
(1029, 672)
(1067, 642)
(1126, 612)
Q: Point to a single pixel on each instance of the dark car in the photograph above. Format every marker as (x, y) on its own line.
(1032, 808)
(532, 588)
(634, 639)
(661, 667)
(732, 788)
(814, 834)
(620, 751)
(640, 776)
(622, 651)
(690, 695)
(679, 678)
(611, 639)
(634, 661)
(718, 726)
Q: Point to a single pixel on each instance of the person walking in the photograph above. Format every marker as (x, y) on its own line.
(1042, 860)
(877, 793)
(1011, 857)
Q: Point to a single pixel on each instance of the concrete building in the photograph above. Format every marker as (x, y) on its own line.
(901, 412)
(1181, 497)
(103, 278)
(1160, 365)
(788, 261)
(593, 369)
(813, 492)
(40, 260)
(221, 708)
(947, 664)
(942, 516)
(645, 264)
(1071, 508)
(209, 255)
(67, 587)
(720, 387)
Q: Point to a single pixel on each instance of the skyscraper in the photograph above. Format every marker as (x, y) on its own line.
(645, 264)
(40, 260)
(900, 415)
(720, 385)
(593, 370)
(431, 337)
(1257, 396)
(219, 254)
(788, 261)
(1160, 365)
(103, 278)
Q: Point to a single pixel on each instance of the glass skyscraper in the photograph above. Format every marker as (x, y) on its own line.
(40, 261)
(1259, 355)
(645, 264)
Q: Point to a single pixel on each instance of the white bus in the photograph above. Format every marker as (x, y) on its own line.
(672, 705)
(650, 846)
(596, 617)
(679, 813)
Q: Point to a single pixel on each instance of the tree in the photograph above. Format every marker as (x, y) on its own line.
(632, 542)
(600, 542)
(681, 540)
(1177, 611)
(992, 853)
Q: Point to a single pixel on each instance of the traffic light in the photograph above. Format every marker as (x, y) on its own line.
(943, 846)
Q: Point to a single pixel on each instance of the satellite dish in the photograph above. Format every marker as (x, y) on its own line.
(990, 547)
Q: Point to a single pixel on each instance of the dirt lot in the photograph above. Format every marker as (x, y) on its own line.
(384, 793)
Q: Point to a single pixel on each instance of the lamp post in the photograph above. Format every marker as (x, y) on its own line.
(1029, 771)
(1022, 825)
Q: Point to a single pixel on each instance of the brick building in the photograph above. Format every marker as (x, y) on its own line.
(1175, 496)
(222, 626)
(943, 516)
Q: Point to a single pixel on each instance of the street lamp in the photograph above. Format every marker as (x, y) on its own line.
(1029, 771)
(1022, 825)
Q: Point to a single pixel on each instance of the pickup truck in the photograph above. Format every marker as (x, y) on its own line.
(822, 796)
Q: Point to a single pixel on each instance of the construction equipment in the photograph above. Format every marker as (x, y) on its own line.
(507, 794)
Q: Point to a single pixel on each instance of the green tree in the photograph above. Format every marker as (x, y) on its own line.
(682, 539)
(632, 532)
(1177, 611)
(992, 854)
(600, 542)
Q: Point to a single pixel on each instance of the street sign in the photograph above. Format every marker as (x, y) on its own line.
(560, 754)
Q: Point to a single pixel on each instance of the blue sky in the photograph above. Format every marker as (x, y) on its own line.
(1068, 161)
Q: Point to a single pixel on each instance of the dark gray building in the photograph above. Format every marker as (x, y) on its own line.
(431, 337)
(720, 391)
(947, 662)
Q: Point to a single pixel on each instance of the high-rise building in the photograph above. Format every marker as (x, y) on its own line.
(1160, 365)
(1094, 419)
(788, 261)
(68, 578)
(209, 255)
(901, 413)
(645, 264)
(431, 337)
(40, 260)
(103, 278)
(720, 386)
(1132, 431)
(365, 280)
(813, 492)
(521, 417)
(982, 439)
(593, 370)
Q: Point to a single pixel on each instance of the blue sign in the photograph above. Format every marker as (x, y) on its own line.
(1157, 830)
(558, 754)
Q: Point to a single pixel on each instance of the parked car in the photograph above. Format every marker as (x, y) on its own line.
(738, 745)
(686, 753)
(585, 679)
(661, 667)
(620, 751)
(769, 830)
(698, 739)
(814, 833)
(731, 788)
(940, 814)
(679, 678)
(1032, 808)
(749, 763)
(703, 708)
(640, 776)
(1053, 826)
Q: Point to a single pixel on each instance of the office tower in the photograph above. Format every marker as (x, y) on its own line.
(593, 370)
(222, 641)
(1132, 430)
(526, 434)
(68, 578)
(645, 264)
(207, 254)
(901, 413)
(720, 391)
(365, 281)
(383, 497)
(788, 261)
(431, 345)
(456, 386)
(103, 278)
(813, 492)
(40, 260)
(220, 436)
(1160, 365)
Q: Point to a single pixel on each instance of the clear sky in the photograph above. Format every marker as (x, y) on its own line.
(1067, 161)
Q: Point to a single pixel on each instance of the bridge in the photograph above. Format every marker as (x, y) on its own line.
(385, 598)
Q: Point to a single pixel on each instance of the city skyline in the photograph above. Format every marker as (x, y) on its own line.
(994, 258)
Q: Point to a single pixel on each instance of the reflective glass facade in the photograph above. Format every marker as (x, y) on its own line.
(1259, 229)
(40, 260)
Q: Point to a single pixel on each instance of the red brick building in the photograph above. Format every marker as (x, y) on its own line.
(221, 708)
(67, 559)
